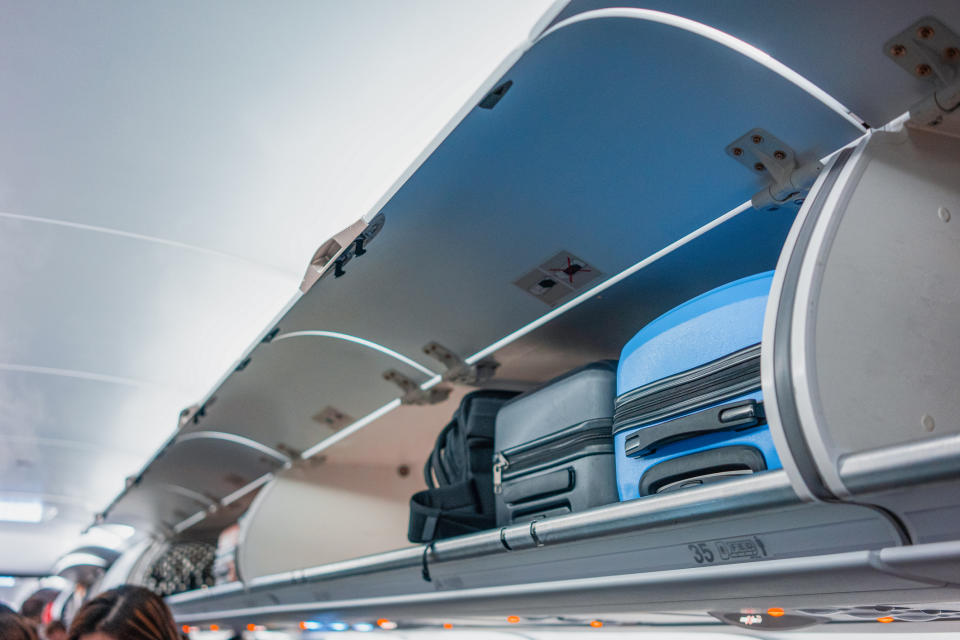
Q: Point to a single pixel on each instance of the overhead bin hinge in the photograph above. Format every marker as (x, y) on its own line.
(458, 371)
(413, 394)
(929, 50)
(336, 252)
(766, 155)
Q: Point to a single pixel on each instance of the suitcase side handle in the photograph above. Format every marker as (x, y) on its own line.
(734, 415)
(703, 467)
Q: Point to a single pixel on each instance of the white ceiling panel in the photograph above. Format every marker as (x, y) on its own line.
(166, 172)
(243, 127)
(113, 306)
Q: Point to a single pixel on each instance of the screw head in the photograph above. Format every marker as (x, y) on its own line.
(923, 70)
(779, 155)
(951, 53)
(898, 50)
(757, 139)
(925, 32)
(759, 166)
(944, 214)
(737, 151)
(927, 422)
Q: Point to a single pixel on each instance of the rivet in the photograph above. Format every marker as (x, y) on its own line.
(927, 422)
(923, 70)
(798, 201)
(951, 53)
(898, 50)
(759, 166)
(925, 32)
(779, 155)
(757, 139)
(944, 214)
(737, 151)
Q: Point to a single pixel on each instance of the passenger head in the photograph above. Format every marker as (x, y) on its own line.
(124, 613)
(56, 631)
(14, 627)
(32, 609)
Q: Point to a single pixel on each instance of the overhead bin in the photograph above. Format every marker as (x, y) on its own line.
(625, 164)
(610, 145)
(839, 46)
(199, 472)
(861, 345)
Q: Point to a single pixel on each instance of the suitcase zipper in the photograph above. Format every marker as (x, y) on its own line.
(717, 381)
(523, 458)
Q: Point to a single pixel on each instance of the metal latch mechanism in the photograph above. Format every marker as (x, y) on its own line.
(336, 252)
(929, 50)
(458, 371)
(413, 394)
(764, 154)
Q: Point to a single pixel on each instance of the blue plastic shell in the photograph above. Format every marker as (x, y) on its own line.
(710, 326)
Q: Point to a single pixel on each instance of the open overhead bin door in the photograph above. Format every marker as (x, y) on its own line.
(604, 143)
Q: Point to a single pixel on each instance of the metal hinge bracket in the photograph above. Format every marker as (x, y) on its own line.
(458, 371)
(930, 50)
(336, 252)
(763, 154)
(413, 394)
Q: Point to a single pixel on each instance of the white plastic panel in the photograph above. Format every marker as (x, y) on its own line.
(836, 45)
(312, 516)
(861, 345)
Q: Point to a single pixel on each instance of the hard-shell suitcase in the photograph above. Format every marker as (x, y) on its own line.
(554, 448)
(689, 409)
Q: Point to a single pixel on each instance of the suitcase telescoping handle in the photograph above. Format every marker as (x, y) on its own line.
(734, 415)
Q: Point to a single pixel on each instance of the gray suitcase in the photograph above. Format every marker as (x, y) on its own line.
(554, 447)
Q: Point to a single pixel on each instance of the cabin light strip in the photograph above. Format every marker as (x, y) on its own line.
(361, 341)
(539, 322)
(722, 38)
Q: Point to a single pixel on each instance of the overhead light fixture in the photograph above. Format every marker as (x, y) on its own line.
(27, 511)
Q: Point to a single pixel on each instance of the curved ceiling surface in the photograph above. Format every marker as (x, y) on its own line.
(166, 173)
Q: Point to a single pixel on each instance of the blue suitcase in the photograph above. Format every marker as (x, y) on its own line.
(689, 408)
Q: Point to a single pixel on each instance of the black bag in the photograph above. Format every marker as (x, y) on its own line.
(459, 473)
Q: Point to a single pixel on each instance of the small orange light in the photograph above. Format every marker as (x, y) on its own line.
(214, 627)
(596, 624)
(447, 625)
(776, 612)
(513, 619)
(186, 628)
(303, 626)
(885, 619)
(251, 627)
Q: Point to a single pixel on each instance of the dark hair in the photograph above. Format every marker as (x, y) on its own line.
(126, 613)
(14, 627)
(53, 627)
(32, 607)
